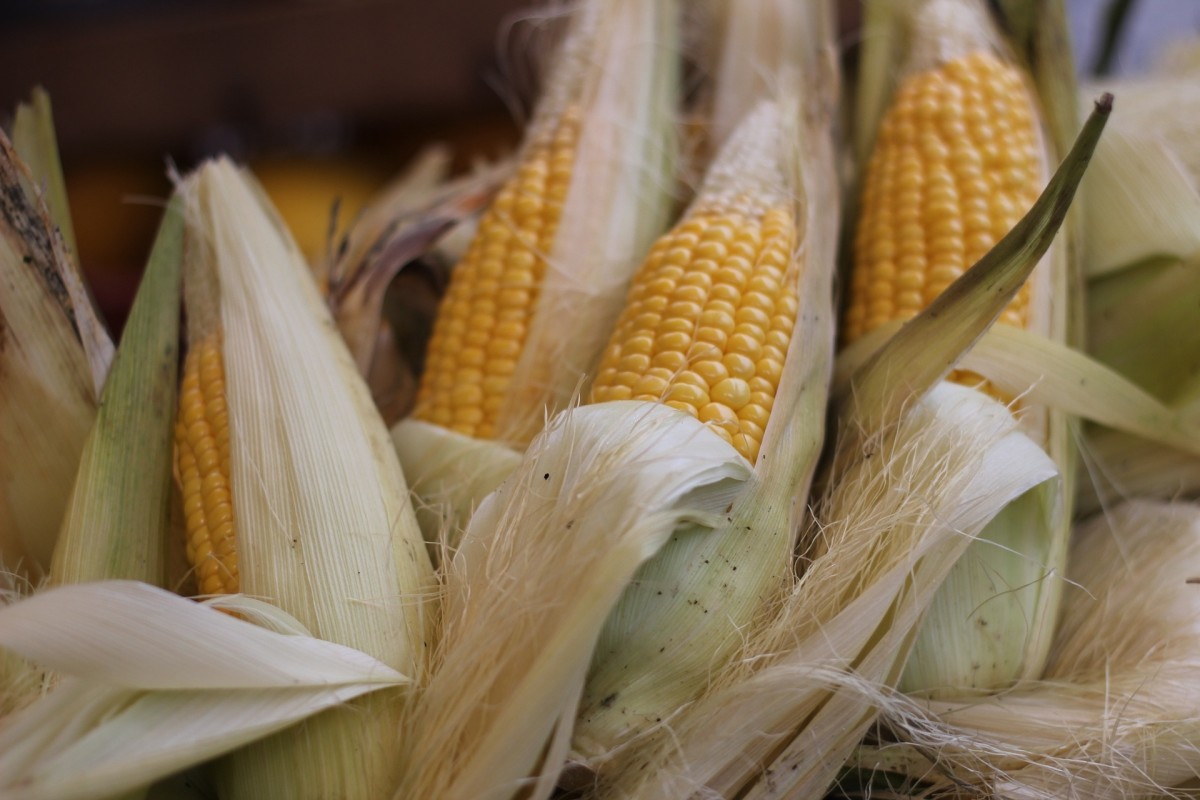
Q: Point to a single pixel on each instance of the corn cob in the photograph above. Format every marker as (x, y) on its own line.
(955, 166)
(714, 328)
(486, 312)
(202, 466)
(709, 319)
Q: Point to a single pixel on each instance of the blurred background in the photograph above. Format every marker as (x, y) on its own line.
(324, 99)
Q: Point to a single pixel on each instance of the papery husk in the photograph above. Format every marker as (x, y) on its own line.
(406, 224)
(1143, 251)
(53, 357)
(1118, 715)
(539, 568)
(141, 695)
(117, 519)
(890, 527)
(1007, 580)
(325, 528)
(36, 143)
(686, 613)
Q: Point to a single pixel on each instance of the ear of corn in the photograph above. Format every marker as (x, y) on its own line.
(958, 158)
(49, 395)
(322, 522)
(730, 322)
(116, 523)
(522, 320)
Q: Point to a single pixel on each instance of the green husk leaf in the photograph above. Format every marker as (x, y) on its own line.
(931, 343)
(118, 518)
(1143, 325)
(144, 696)
(1044, 373)
(540, 566)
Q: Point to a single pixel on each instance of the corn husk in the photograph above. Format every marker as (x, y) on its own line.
(1117, 716)
(36, 144)
(1143, 252)
(325, 529)
(686, 613)
(617, 64)
(1008, 576)
(53, 358)
(901, 517)
(540, 566)
(117, 519)
(142, 695)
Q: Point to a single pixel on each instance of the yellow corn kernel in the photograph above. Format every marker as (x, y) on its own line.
(486, 313)
(708, 297)
(955, 166)
(202, 469)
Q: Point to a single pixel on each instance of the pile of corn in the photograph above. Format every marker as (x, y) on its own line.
(748, 454)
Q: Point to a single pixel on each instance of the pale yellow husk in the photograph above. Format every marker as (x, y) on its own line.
(139, 695)
(53, 356)
(325, 529)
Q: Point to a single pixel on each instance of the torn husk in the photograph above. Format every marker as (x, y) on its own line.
(540, 566)
(50, 361)
(324, 526)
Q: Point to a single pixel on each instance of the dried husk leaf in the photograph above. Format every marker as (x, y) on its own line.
(325, 527)
(143, 696)
(49, 395)
(36, 144)
(540, 566)
(117, 518)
